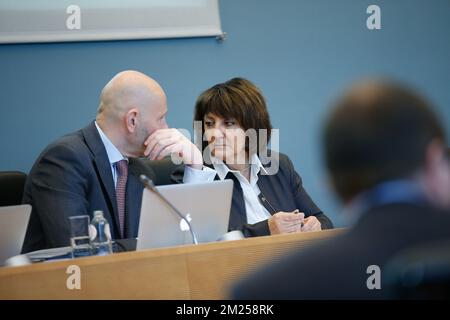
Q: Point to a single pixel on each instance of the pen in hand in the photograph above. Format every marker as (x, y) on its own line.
(298, 211)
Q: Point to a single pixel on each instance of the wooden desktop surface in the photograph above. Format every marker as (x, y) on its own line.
(204, 271)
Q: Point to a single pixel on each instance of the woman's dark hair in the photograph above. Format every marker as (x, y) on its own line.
(239, 99)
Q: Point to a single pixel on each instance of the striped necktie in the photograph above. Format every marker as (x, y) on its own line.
(121, 187)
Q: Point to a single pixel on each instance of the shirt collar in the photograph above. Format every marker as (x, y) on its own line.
(114, 155)
(394, 191)
(222, 169)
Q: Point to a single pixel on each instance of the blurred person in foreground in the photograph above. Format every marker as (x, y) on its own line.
(385, 151)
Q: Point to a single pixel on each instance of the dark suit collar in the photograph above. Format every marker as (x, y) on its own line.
(385, 193)
(270, 161)
(264, 184)
(238, 215)
(101, 161)
(93, 141)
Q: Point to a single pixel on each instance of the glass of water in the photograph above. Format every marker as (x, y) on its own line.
(79, 236)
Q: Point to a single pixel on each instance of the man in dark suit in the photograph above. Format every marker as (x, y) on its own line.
(385, 152)
(96, 168)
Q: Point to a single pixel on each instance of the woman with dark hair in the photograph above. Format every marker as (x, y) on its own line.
(268, 196)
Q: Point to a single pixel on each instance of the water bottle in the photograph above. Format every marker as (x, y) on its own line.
(100, 235)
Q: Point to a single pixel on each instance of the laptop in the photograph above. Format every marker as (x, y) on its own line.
(205, 205)
(13, 225)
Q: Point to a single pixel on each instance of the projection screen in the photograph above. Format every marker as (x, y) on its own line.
(89, 20)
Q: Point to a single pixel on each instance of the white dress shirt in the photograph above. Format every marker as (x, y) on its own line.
(255, 211)
(114, 155)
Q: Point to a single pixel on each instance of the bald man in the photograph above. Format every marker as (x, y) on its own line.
(88, 170)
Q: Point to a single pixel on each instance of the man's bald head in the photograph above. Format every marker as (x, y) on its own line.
(126, 90)
(132, 106)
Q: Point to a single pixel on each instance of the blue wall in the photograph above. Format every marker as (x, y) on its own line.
(300, 53)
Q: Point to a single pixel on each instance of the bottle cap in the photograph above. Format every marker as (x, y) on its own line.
(98, 213)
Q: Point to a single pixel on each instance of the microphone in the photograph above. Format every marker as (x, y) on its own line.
(148, 183)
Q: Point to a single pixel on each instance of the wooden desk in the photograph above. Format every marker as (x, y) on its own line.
(205, 271)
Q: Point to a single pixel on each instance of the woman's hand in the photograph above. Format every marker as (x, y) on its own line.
(286, 222)
(311, 223)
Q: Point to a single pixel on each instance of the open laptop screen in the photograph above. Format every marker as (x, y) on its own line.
(205, 205)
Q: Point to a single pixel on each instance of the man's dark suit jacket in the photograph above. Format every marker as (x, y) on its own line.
(337, 269)
(72, 176)
(283, 191)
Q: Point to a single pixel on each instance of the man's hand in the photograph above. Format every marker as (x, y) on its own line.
(286, 222)
(164, 142)
(311, 224)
